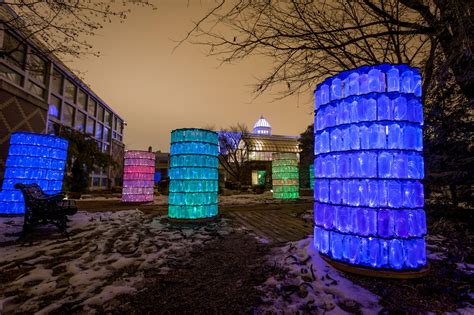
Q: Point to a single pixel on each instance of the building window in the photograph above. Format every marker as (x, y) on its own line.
(90, 126)
(57, 82)
(14, 50)
(34, 89)
(10, 75)
(104, 182)
(100, 113)
(69, 90)
(105, 147)
(54, 107)
(91, 107)
(108, 118)
(82, 99)
(106, 134)
(80, 120)
(37, 67)
(119, 127)
(67, 113)
(98, 131)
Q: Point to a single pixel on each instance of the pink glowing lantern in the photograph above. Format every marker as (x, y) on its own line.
(138, 176)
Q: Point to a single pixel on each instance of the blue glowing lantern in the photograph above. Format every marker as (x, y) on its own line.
(368, 168)
(193, 174)
(32, 158)
(157, 177)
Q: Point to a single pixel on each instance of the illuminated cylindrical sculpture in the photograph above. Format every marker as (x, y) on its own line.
(138, 176)
(32, 158)
(193, 174)
(285, 176)
(311, 176)
(368, 167)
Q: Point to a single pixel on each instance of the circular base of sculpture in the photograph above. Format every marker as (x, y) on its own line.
(198, 220)
(369, 272)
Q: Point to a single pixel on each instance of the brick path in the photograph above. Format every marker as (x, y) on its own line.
(275, 222)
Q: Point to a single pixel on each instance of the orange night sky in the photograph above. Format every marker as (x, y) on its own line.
(156, 90)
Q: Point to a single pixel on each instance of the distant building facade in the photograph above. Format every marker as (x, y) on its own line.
(38, 93)
(260, 144)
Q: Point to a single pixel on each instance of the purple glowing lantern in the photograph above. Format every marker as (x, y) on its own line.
(368, 169)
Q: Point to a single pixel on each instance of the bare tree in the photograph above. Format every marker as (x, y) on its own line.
(309, 40)
(233, 151)
(62, 26)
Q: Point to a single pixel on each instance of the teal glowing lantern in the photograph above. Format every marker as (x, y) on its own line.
(32, 158)
(193, 174)
(368, 168)
(285, 176)
(311, 176)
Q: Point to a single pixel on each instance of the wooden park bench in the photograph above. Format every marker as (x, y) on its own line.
(42, 208)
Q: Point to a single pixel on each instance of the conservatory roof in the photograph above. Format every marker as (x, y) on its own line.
(275, 143)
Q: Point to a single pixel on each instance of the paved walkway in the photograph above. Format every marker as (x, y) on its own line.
(280, 223)
(276, 221)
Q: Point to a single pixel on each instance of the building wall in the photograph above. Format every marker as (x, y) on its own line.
(116, 173)
(18, 112)
(47, 94)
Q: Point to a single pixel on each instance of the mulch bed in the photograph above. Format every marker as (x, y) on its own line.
(221, 278)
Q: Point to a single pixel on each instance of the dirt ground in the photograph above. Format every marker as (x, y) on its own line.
(220, 279)
(444, 289)
(223, 275)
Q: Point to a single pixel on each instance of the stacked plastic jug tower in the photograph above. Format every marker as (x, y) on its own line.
(32, 158)
(138, 176)
(368, 169)
(285, 176)
(193, 192)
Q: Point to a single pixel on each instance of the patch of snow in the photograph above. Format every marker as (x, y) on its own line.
(308, 284)
(466, 268)
(435, 238)
(250, 199)
(106, 254)
(435, 256)
(237, 199)
(468, 309)
(108, 293)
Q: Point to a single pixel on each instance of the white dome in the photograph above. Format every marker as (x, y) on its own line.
(262, 126)
(262, 122)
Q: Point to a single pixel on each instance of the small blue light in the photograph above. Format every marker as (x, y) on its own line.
(157, 177)
(32, 158)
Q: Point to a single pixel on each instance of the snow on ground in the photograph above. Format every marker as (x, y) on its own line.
(249, 199)
(238, 199)
(105, 256)
(434, 247)
(305, 283)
